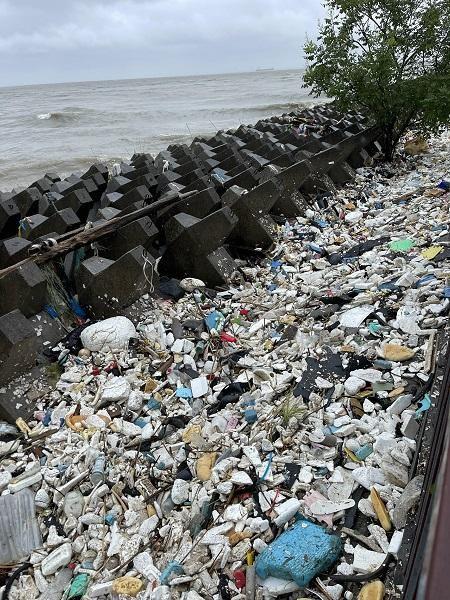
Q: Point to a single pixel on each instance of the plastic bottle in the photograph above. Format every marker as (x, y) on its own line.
(98, 470)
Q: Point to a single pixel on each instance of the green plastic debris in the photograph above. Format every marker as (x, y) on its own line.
(374, 327)
(382, 386)
(402, 245)
(78, 587)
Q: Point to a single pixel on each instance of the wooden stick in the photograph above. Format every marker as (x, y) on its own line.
(80, 237)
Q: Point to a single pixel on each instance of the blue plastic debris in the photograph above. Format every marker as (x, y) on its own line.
(315, 248)
(110, 518)
(153, 404)
(76, 309)
(272, 287)
(215, 320)
(173, 568)
(51, 311)
(364, 452)
(140, 422)
(447, 291)
(321, 223)
(389, 286)
(268, 467)
(425, 404)
(444, 185)
(275, 264)
(250, 415)
(183, 392)
(425, 279)
(300, 553)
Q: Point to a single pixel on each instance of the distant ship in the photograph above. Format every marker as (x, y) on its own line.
(272, 69)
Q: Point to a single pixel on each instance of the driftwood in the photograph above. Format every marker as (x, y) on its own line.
(82, 236)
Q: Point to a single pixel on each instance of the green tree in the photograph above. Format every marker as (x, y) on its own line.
(388, 57)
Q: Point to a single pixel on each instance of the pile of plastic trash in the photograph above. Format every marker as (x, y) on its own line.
(245, 443)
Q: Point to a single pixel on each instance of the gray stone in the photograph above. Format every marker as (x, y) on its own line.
(395, 473)
(407, 501)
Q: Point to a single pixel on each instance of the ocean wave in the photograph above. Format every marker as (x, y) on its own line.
(60, 116)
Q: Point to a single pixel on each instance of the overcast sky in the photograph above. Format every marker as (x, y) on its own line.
(44, 41)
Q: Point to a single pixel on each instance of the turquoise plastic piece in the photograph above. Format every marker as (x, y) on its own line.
(300, 553)
(364, 452)
(173, 568)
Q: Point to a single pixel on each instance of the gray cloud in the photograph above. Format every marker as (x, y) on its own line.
(54, 40)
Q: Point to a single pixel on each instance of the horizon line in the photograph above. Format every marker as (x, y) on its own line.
(259, 70)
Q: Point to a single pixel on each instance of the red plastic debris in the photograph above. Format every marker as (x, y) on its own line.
(239, 579)
(226, 337)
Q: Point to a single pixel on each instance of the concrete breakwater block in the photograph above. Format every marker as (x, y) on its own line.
(24, 289)
(18, 345)
(198, 205)
(194, 247)
(61, 221)
(13, 250)
(142, 232)
(9, 218)
(254, 228)
(27, 201)
(105, 287)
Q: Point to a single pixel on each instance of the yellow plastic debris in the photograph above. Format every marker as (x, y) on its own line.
(397, 353)
(372, 591)
(380, 509)
(205, 464)
(150, 385)
(128, 586)
(192, 435)
(432, 252)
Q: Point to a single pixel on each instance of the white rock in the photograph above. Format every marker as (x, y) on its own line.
(180, 491)
(368, 476)
(353, 385)
(366, 561)
(234, 512)
(135, 400)
(327, 507)
(274, 587)
(60, 557)
(148, 525)
(241, 478)
(395, 543)
(225, 488)
(199, 387)
(400, 404)
(354, 317)
(379, 535)
(368, 406)
(189, 284)
(370, 375)
(258, 525)
(116, 389)
(253, 455)
(109, 335)
(353, 217)
(384, 442)
(286, 511)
